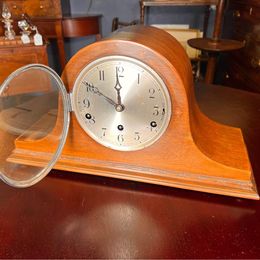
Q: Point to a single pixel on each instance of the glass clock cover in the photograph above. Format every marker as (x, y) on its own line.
(34, 112)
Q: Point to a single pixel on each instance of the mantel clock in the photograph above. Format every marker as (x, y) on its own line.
(124, 107)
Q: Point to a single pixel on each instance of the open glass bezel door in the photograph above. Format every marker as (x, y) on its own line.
(53, 77)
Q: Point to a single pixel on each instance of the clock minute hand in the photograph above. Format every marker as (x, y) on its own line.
(119, 107)
(109, 100)
(95, 90)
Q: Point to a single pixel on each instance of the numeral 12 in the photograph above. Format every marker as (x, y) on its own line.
(102, 75)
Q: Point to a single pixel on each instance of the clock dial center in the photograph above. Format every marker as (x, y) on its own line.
(120, 107)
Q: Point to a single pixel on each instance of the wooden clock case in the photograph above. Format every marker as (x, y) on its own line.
(194, 153)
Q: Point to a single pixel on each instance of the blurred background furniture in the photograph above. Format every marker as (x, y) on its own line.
(215, 45)
(47, 16)
(146, 3)
(195, 61)
(14, 55)
(241, 68)
(212, 46)
(68, 27)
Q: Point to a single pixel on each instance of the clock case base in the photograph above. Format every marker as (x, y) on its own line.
(185, 180)
(194, 153)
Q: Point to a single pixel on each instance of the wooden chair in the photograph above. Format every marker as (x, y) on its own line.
(116, 24)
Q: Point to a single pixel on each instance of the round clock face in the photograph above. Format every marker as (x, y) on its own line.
(121, 103)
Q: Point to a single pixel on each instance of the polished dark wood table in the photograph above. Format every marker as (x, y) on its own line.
(70, 215)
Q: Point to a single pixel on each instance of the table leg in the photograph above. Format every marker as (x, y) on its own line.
(210, 71)
(141, 12)
(60, 43)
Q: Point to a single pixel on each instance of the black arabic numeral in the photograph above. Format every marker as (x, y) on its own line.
(120, 70)
(151, 93)
(104, 132)
(86, 102)
(156, 110)
(120, 138)
(91, 119)
(137, 136)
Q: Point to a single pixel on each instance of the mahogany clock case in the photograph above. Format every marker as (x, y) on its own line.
(194, 152)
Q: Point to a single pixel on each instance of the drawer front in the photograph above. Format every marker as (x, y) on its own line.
(251, 52)
(249, 56)
(239, 77)
(80, 27)
(35, 8)
(239, 23)
(46, 8)
(14, 58)
(46, 27)
(255, 3)
(242, 22)
(243, 30)
(245, 11)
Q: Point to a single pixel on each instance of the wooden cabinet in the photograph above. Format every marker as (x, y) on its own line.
(47, 16)
(243, 67)
(16, 56)
(35, 8)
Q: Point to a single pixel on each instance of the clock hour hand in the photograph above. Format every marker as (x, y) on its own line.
(95, 90)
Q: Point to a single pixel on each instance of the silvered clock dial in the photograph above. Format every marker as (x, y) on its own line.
(121, 103)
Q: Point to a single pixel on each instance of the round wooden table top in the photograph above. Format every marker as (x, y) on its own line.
(208, 44)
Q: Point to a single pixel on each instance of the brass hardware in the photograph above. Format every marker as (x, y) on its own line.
(255, 62)
(236, 13)
(41, 6)
(14, 6)
(227, 76)
(250, 11)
